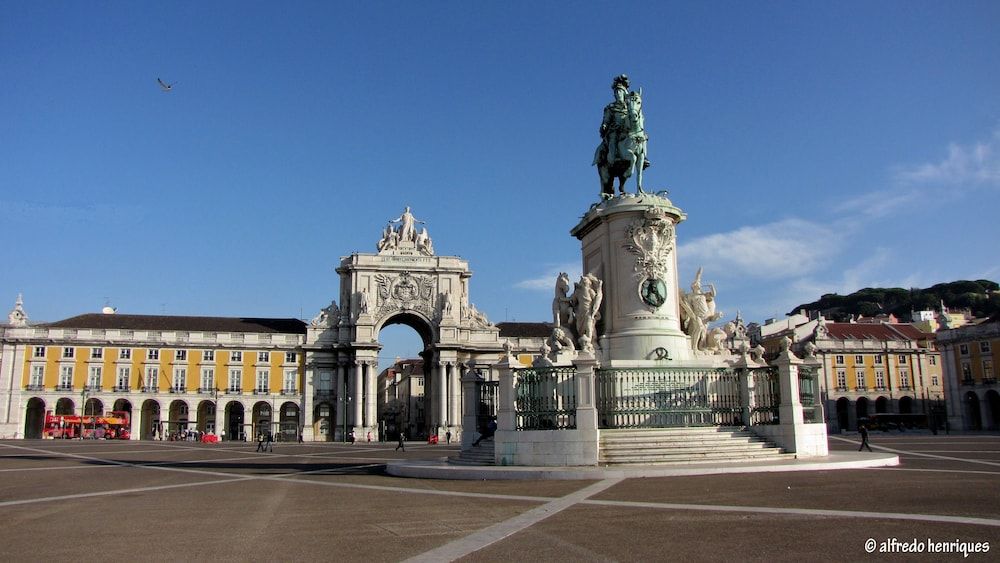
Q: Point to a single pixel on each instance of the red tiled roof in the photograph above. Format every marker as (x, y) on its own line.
(883, 331)
(192, 324)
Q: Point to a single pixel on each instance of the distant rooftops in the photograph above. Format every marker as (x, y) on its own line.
(190, 324)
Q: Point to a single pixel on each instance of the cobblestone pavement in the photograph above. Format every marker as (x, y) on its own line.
(159, 501)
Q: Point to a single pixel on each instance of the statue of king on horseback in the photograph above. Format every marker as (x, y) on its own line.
(622, 151)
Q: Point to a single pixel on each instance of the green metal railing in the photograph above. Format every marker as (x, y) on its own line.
(545, 398)
(667, 397)
(766, 396)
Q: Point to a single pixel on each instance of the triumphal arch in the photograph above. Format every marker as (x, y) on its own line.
(402, 282)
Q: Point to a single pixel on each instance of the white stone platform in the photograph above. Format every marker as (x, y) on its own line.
(441, 469)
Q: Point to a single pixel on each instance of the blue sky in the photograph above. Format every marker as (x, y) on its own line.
(815, 146)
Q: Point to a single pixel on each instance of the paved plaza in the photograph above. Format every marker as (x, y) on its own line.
(186, 501)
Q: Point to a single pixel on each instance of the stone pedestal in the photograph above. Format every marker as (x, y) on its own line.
(629, 242)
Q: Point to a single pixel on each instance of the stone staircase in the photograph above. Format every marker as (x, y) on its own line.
(479, 455)
(665, 446)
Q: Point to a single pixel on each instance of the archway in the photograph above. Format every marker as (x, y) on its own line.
(123, 405)
(993, 404)
(65, 406)
(178, 417)
(288, 426)
(34, 418)
(262, 416)
(975, 421)
(843, 406)
(150, 427)
(93, 407)
(906, 405)
(861, 408)
(206, 417)
(234, 422)
(411, 393)
(881, 405)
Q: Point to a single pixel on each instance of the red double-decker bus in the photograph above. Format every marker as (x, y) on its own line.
(114, 425)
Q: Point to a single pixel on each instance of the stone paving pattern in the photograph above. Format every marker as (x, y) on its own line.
(160, 501)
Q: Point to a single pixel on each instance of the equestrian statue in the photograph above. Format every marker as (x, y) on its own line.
(622, 152)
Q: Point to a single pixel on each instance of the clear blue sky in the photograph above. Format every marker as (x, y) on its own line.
(816, 146)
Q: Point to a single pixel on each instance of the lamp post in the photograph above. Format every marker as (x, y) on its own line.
(83, 408)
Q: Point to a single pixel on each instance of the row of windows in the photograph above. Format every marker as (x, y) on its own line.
(69, 352)
(902, 359)
(987, 370)
(905, 381)
(151, 379)
(984, 348)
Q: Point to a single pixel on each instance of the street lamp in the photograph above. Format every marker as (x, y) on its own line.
(83, 408)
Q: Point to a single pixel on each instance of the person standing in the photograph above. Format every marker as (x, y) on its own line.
(447, 437)
(260, 441)
(402, 443)
(864, 438)
(269, 441)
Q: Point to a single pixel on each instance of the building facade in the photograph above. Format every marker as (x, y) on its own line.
(970, 356)
(868, 368)
(235, 378)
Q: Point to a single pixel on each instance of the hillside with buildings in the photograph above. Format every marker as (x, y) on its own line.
(980, 297)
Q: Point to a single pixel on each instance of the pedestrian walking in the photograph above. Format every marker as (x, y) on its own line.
(402, 443)
(447, 437)
(491, 429)
(864, 438)
(269, 442)
(260, 441)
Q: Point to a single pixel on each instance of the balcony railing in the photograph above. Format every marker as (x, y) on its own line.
(178, 389)
(234, 391)
(120, 389)
(261, 392)
(34, 387)
(989, 381)
(148, 389)
(969, 382)
(289, 391)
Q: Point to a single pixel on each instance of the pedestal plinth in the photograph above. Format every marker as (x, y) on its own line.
(629, 242)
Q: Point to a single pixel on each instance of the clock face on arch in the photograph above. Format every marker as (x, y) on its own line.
(653, 292)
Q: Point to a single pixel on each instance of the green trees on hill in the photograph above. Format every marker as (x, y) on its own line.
(981, 296)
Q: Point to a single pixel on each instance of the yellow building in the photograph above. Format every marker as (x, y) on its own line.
(870, 369)
(232, 377)
(970, 356)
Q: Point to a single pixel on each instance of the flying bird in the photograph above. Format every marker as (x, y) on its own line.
(166, 87)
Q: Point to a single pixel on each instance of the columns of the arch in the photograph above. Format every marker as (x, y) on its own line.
(455, 401)
(338, 432)
(371, 416)
(356, 396)
(307, 392)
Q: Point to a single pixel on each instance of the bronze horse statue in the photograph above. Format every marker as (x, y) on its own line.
(630, 151)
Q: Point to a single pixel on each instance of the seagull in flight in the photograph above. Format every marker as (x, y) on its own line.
(166, 87)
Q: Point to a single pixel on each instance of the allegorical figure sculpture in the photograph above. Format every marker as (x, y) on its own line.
(587, 296)
(562, 310)
(328, 316)
(405, 236)
(697, 311)
(622, 151)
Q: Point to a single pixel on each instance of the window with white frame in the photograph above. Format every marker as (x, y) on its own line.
(966, 371)
(124, 376)
(181, 355)
(325, 381)
(932, 360)
(263, 357)
(988, 369)
(236, 356)
(152, 354)
(37, 376)
(841, 379)
(290, 380)
(235, 379)
(208, 356)
(262, 383)
(839, 360)
(878, 359)
(39, 352)
(879, 379)
(859, 376)
(180, 380)
(902, 359)
(94, 378)
(207, 378)
(935, 381)
(125, 354)
(904, 378)
(96, 353)
(859, 359)
(291, 357)
(984, 346)
(69, 352)
(152, 375)
(66, 377)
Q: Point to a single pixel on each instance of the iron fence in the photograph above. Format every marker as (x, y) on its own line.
(545, 398)
(667, 397)
(766, 396)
